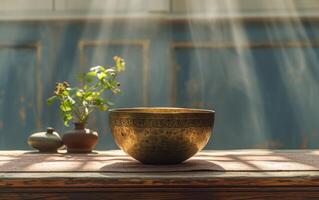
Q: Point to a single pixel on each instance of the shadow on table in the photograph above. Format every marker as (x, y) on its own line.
(135, 166)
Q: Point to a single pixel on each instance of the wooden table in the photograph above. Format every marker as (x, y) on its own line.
(250, 182)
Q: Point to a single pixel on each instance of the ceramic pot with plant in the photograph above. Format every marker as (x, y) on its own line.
(77, 103)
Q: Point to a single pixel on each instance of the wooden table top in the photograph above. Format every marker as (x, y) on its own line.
(235, 168)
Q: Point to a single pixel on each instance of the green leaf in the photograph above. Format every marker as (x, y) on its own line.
(89, 98)
(96, 94)
(79, 94)
(89, 79)
(97, 68)
(91, 73)
(95, 83)
(51, 100)
(103, 107)
(107, 85)
(120, 64)
(65, 93)
(120, 67)
(101, 75)
(66, 118)
(98, 101)
(71, 101)
(65, 106)
(90, 76)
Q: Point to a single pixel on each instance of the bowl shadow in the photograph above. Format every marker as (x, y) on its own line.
(133, 166)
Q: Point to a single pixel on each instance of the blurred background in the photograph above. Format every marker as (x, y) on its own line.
(255, 62)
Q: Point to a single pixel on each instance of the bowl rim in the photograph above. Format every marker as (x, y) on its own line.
(146, 110)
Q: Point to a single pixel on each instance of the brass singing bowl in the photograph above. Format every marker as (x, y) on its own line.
(161, 135)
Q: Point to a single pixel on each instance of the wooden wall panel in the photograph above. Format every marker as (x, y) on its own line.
(243, 6)
(259, 88)
(26, 5)
(21, 93)
(216, 65)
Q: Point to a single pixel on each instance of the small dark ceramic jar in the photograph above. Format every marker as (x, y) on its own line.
(80, 140)
(49, 141)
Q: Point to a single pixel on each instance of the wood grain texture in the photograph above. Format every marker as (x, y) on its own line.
(129, 180)
(233, 185)
(190, 193)
(116, 161)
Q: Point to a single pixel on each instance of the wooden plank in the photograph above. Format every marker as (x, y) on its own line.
(127, 180)
(233, 185)
(184, 195)
(117, 162)
(198, 179)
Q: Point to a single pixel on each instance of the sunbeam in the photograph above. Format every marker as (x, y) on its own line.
(253, 62)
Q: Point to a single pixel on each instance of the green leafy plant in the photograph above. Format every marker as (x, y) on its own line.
(77, 103)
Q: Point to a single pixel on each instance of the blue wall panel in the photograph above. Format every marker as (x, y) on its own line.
(261, 77)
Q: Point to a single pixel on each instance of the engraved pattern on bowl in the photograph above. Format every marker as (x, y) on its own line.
(161, 135)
